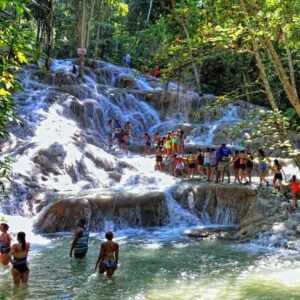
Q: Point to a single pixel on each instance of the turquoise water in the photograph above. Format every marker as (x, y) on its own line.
(160, 264)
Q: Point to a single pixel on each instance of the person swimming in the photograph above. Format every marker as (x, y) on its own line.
(109, 256)
(5, 240)
(19, 252)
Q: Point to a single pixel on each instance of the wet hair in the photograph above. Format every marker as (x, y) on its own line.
(22, 239)
(82, 222)
(294, 178)
(109, 235)
(5, 226)
(276, 162)
(261, 152)
(109, 122)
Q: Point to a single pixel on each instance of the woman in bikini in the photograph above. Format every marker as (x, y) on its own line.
(236, 166)
(277, 171)
(242, 158)
(108, 256)
(191, 162)
(18, 257)
(5, 240)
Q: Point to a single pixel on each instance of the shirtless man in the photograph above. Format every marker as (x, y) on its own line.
(108, 256)
(5, 240)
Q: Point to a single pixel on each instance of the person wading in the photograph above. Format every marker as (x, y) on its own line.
(109, 256)
(5, 240)
(80, 240)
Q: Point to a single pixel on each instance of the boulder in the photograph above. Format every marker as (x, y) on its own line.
(123, 209)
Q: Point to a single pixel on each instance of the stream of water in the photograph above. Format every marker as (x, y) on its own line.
(155, 263)
(160, 263)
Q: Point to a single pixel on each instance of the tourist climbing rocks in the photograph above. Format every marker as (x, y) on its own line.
(236, 166)
(18, 257)
(249, 166)
(242, 158)
(127, 60)
(5, 240)
(159, 158)
(80, 240)
(262, 166)
(109, 132)
(191, 160)
(181, 142)
(109, 256)
(224, 157)
(213, 164)
(168, 146)
(200, 159)
(277, 170)
(295, 191)
(157, 71)
(206, 156)
(179, 166)
(147, 144)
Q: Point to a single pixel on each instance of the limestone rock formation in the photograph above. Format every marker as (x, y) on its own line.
(123, 209)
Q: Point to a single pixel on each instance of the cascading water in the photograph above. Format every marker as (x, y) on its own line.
(61, 149)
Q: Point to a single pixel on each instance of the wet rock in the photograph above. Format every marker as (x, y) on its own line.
(123, 209)
(198, 234)
(224, 204)
(123, 81)
(51, 159)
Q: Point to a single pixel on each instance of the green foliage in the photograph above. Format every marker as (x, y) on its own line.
(5, 173)
(15, 43)
(267, 129)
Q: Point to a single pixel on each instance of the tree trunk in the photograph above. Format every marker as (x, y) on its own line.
(149, 11)
(290, 91)
(89, 24)
(82, 39)
(290, 62)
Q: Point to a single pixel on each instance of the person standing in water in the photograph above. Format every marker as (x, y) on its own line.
(147, 144)
(5, 240)
(109, 256)
(19, 252)
(80, 240)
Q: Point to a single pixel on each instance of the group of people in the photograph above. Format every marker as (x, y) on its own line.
(17, 253)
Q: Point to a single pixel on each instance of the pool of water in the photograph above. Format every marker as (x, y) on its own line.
(160, 264)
